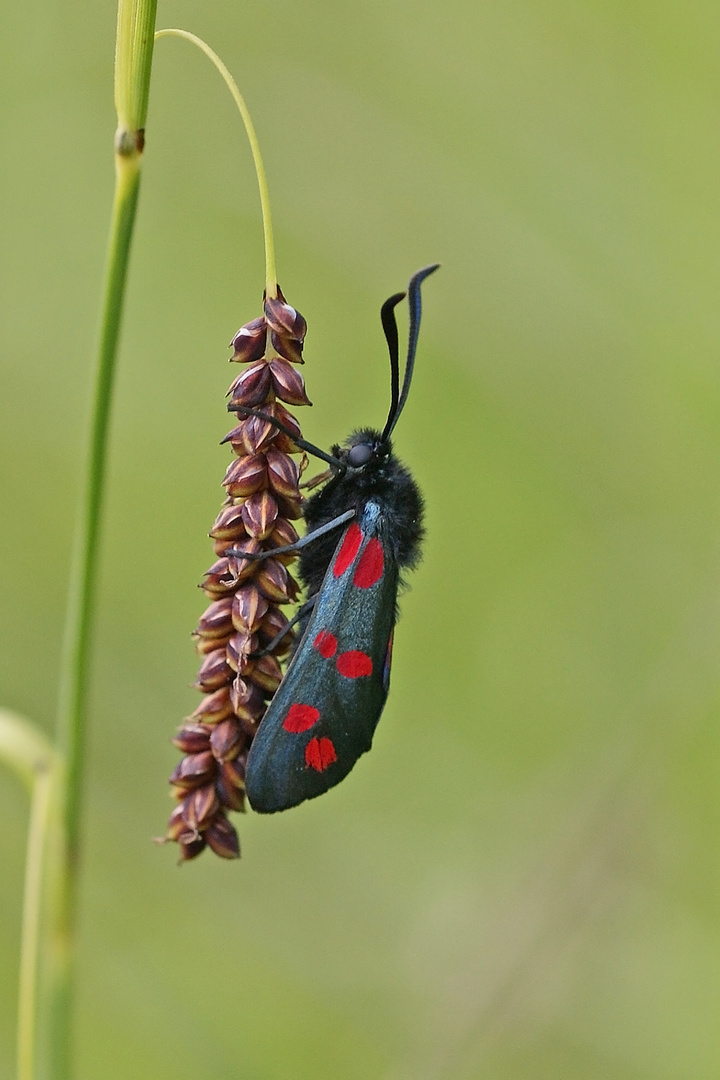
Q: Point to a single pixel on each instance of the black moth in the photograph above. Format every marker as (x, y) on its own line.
(364, 528)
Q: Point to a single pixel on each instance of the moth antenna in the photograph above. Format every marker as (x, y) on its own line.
(415, 306)
(389, 325)
(309, 447)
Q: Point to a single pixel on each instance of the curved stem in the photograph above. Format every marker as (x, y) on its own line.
(270, 272)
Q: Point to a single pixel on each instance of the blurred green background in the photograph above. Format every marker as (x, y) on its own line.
(521, 880)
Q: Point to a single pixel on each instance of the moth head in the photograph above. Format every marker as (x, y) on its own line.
(364, 447)
(359, 455)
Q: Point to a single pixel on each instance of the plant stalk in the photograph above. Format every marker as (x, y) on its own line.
(73, 685)
(40, 805)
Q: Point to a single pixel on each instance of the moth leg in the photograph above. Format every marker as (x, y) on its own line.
(302, 611)
(298, 545)
(319, 479)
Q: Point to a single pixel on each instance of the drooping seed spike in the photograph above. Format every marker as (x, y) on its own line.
(244, 593)
(249, 342)
(287, 383)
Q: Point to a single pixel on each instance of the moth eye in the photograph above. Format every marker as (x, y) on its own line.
(359, 455)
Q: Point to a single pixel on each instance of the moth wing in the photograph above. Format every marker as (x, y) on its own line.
(324, 713)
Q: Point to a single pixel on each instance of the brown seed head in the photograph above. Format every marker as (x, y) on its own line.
(244, 615)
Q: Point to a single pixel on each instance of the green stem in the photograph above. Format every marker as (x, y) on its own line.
(270, 271)
(26, 750)
(73, 686)
(32, 905)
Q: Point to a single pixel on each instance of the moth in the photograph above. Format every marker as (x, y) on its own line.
(364, 528)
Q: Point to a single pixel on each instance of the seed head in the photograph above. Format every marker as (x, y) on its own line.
(239, 636)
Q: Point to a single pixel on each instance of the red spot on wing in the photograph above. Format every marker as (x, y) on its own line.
(319, 753)
(326, 644)
(353, 665)
(300, 718)
(370, 568)
(348, 550)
